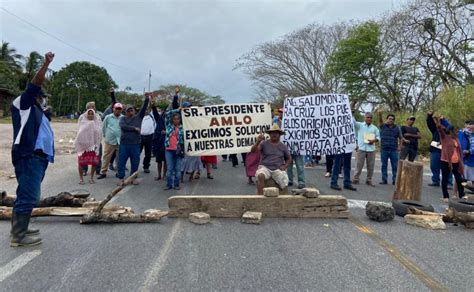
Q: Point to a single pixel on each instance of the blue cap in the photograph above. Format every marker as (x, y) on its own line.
(186, 104)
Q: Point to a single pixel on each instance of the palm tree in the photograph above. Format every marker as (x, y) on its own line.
(10, 56)
(32, 64)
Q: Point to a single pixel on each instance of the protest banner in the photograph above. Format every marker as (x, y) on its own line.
(224, 128)
(319, 124)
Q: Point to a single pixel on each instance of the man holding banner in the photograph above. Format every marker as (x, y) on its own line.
(275, 159)
(367, 136)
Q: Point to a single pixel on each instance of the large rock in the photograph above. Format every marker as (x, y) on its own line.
(252, 217)
(379, 212)
(271, 192)
(199, 218)
(426, 221)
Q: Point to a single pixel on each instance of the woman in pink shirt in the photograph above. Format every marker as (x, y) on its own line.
(451, 158)
(174, 145)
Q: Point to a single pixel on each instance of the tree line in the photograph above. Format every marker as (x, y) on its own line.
(70, 88)
(416, 57)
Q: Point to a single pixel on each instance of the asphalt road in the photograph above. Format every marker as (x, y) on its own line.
(279, 254)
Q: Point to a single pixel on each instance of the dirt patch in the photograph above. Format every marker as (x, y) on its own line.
(64, 135)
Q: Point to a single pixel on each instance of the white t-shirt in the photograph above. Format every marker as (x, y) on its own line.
(148, 125)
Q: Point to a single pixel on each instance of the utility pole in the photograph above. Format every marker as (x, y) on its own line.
(149, 80)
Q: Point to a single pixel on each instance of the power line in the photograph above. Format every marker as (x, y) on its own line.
(69, 45)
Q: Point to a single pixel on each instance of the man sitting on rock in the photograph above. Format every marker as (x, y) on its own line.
(275, 159)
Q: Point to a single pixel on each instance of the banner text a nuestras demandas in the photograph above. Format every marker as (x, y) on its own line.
(224, 129)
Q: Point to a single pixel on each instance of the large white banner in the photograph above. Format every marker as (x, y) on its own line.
(225, 128)
(319, 124)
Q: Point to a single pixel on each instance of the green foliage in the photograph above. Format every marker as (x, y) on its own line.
(10, 56)
(356, 58)
(193, 95)
(8, 79)
(457, 104)
(78, 83)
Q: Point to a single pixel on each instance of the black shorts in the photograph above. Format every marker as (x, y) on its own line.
(160, 156)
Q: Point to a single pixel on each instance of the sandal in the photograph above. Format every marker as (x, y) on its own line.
(158, 178)
(91, 181)
(197, 176)
(81, 182)
(135, 182)
(191, 178)
(209, 176)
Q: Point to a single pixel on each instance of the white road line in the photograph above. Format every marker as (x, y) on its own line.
(17, 263)
(159, 264)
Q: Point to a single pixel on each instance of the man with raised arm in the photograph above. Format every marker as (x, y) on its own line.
(32, 151)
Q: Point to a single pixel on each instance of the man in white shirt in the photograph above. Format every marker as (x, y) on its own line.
(147, 130)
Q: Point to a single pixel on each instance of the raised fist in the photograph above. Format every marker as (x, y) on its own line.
(48, 57)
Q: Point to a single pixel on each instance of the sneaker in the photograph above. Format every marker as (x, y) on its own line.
(301, 187)
(101, 176)
(328, 174)
(341, 176)
(146, 170)
(290, 184)
(336, 187)
(111, 167)
(433, 185)
(383, 183)
(168, 188)
(369, 183)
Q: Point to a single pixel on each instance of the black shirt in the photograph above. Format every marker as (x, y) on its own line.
(410, 130)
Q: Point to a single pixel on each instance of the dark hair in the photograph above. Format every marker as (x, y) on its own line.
(391, 115)
(468, 122)
(450, 129)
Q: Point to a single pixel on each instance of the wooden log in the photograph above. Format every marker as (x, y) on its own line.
(149, 216)
(425, 221)
(282, 206)
(115, 191)
(409, 181)
(63, 199)
(467, 219)
(6, 212)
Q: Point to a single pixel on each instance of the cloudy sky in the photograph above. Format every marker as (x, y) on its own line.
(193, 42)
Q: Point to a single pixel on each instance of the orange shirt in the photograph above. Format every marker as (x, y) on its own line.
(173, 140)
(455, 157)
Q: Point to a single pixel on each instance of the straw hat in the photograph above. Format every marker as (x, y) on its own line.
(275, 128)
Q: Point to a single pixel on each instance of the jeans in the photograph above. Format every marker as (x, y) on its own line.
(385, 156)
(126, 151)
(147, 143)
(173, 164)
(435, 161)
(29, 173)
(344, 159)
(298, 161)
(457, 176)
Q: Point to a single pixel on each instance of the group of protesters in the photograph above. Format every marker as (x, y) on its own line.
(126, 132)
(452, 154)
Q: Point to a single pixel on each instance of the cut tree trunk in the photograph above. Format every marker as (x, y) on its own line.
(409, 181)
(281, 206)
(64, 199)
(149, 216)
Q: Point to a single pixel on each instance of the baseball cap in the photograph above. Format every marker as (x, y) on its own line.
(118, 105)
(129, 107)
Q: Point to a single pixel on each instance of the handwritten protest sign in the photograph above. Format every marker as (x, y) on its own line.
(319, 124)
(225, 128)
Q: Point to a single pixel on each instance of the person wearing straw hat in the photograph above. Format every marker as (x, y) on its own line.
(275, 159)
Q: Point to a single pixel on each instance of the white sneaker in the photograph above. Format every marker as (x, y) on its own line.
(328, 174)
(341, 176)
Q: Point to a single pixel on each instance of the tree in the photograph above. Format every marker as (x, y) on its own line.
(10, 57)
(193, 95)
(32, 64)
(295, 64)
(77, 83)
